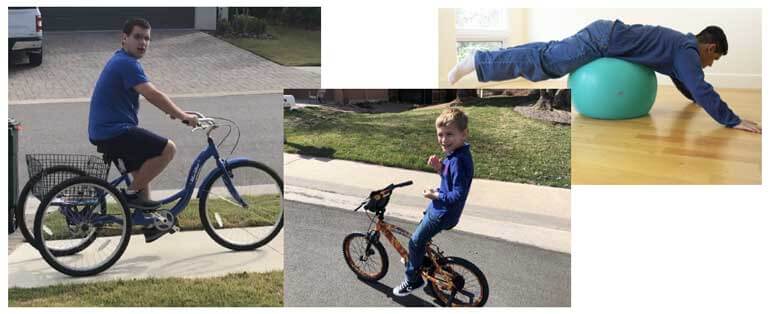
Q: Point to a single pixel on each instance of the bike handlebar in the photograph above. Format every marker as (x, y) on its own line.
(403, 184)
(381, 192)
(203, 122)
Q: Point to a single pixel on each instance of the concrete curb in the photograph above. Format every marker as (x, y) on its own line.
(190, 254)
(532, 215)
(531, 234)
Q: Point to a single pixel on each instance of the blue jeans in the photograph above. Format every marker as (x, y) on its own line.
(430, 226)
(545, 60)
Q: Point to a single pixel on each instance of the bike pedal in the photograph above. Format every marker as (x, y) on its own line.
(174, 229)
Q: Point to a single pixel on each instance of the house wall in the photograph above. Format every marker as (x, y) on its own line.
(206, 18)
(347, 96)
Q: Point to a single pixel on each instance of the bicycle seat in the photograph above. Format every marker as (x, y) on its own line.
(117, 161)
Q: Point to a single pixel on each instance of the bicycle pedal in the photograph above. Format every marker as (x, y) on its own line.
(174, 229)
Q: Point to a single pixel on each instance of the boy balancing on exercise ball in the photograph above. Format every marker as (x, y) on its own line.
(447, 202)
(680, 56)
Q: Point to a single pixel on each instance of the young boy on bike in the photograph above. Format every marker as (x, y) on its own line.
(447, 201)
(113, 122)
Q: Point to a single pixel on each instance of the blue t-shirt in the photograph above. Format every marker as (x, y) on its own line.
(674, 54)
(115, 103)
(456, 177)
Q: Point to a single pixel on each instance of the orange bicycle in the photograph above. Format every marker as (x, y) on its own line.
(455, 281)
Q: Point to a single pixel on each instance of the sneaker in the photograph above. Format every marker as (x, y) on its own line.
(152, 234)
(407, 287)
(134, 200)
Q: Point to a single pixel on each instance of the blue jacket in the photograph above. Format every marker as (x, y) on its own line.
(674, 54)
(456, 177)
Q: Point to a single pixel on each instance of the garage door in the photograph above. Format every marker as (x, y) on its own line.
(80, 19)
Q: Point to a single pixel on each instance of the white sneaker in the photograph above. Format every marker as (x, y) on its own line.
(406, 287)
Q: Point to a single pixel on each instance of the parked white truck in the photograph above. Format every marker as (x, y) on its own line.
(25, 33)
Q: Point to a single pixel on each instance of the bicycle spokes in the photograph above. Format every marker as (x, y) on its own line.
(460, 283)
(366, 258)
(81, 226)
(243, 210)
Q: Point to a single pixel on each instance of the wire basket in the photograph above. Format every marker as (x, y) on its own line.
(91, 165)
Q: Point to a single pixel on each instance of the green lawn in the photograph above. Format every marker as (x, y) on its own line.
(243, 289)
(506, 146)
(291, 46)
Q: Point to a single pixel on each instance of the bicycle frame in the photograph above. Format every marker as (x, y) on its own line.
(184, 196)
(433, 253)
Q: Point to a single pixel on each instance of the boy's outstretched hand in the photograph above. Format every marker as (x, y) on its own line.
(435, 162)
(749, 126)
(430, 194)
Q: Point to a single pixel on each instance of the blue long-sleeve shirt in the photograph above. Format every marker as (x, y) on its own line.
(674, 54)
(456, 177)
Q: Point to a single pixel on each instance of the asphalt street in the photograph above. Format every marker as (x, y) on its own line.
(316, 273)
(63, 128)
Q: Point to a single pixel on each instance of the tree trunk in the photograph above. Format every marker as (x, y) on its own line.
(545, 102)
(551, 99)
(464, 95)
(563, 100)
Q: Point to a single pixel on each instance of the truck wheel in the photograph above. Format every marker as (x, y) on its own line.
(36, 59)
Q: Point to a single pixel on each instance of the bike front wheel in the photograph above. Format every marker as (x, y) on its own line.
(365, 258)
(85, 213)
(460, 283)
(230, 223)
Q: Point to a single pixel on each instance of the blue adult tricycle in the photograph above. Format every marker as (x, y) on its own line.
(82, 225)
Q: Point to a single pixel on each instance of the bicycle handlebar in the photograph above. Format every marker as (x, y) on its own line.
(403, 184)
(386, 189)
(203, 122)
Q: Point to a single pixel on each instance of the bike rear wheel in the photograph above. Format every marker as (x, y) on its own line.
(30, 196)
(237, 227)
(365, 258)
(473, 286)
(87, 213)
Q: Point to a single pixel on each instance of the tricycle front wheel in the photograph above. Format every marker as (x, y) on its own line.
(228, 221)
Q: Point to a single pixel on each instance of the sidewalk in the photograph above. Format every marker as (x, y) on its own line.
(187, 254)
(528, 214)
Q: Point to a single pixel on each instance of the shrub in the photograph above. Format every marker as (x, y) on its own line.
(255, 26)
(306, 17)
(224, 28)
(243, 25)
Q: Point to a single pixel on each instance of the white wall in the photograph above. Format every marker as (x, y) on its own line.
(205, 18)
(447, 53)
(740, 68)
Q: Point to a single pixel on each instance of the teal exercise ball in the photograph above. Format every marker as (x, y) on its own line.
(613, 89)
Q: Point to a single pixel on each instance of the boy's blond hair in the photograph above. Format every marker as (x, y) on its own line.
(452, 116)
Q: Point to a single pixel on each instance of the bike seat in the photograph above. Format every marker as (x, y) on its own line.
(117, 161)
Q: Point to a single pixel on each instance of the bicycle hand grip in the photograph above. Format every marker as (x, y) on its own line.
(402, 184)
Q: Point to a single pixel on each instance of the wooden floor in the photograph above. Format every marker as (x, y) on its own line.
(678, 143)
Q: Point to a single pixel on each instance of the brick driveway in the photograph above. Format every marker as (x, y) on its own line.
(179, 62)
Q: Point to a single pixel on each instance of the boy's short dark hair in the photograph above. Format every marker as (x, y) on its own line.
(452, 116)
(713, 35)
(128, 26)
